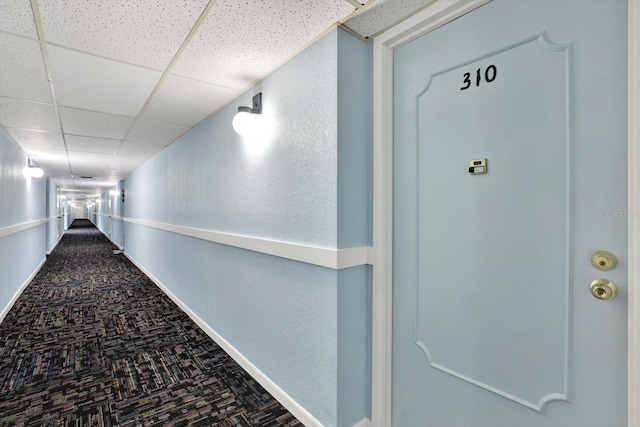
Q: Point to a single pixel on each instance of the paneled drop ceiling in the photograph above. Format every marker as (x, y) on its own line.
(91, 89)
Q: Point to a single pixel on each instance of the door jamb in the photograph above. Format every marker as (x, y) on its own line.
(430, 18)
(634, 213)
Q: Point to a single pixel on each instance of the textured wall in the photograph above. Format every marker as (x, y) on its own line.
(67, 214)
(22, 199)
(306, 180)
(107, 212)
(355, 146)
(101, 216)
(355, 163)
(283, 189)
(52, 212)
(279, 314)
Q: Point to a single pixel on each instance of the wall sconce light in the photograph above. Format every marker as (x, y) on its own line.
(113, 192)
(33, 169)
(246, 122)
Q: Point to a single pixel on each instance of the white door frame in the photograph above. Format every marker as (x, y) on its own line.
(434, 16)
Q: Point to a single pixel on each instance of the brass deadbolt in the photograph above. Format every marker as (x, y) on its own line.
(603, 289)
(604, 261)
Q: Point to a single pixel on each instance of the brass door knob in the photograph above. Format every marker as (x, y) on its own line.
(604, 261)
(603, 289)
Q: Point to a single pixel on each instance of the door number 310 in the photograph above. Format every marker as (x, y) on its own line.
(490, 74)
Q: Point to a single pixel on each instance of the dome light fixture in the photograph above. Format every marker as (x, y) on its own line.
(247, 120)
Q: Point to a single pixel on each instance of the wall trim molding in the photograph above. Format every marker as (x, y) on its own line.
(634, 212)
(119, 218)
(323, 257)
(13, 229)
(287, 401)
(20, 290)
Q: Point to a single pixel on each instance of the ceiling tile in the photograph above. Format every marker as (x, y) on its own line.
(143, 32)
(240, 41)
(62, 180)
(141, 150)
(22, 72)
(97, 84)
(82, 189)
(384, 14)
(28, 115)
(85, 173)
(16, 17)
(92, 164)
(148, 130)
(104, 183)
(125, 164)
(121, 171)
(30, 139)
(92, 145)
(187, 102)
(86, 185)
(91, 123)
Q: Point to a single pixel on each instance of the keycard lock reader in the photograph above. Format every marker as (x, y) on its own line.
(478, 167)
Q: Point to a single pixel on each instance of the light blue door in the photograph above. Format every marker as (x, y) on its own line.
(510, 171)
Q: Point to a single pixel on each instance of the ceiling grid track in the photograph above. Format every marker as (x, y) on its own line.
(175, 58)
(45, 58)
(116, 84)
(355, 3)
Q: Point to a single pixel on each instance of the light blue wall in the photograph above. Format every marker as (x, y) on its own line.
(99, 212)
(354, 345)
(355, 171)
(67, 214)
(281, 315)
(213, 179)
(52, 213)
(355, 136)
(109, 219)
(22, 199)
(309, 182)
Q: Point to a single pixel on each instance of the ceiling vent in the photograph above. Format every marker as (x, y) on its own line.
(86, 177)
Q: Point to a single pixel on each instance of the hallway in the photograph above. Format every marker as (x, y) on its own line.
(93, 341)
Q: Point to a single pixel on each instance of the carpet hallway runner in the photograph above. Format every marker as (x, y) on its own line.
(92, 341)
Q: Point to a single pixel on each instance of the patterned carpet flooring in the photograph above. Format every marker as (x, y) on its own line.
(93, 342)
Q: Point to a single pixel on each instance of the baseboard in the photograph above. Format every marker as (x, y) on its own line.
(110, 239)
(365, 422)
(21, 289)
(55, 245)
(281, 396)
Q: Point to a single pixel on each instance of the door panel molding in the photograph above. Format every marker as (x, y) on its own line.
(440, 349)
(434, 16)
